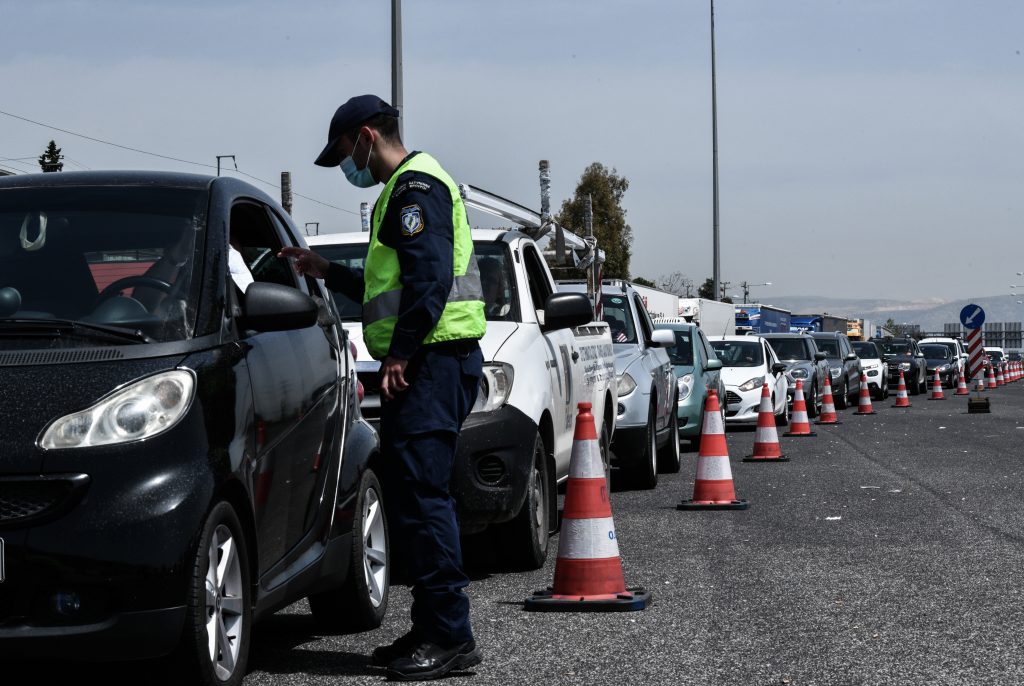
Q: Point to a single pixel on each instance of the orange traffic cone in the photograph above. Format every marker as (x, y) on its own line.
(766, 440)
(992, 382)
(588, 571)
(979, 381)
(828, 407)
(799, 425)
(864, 403)
(902, 400)
(937, 393)
(1000, 379)
(713, 488)
(961, 386)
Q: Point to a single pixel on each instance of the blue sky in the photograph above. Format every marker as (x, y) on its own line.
(865, 146)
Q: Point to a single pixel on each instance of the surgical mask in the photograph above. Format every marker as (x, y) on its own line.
(360, 178)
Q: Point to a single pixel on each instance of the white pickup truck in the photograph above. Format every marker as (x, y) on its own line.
(542, 356)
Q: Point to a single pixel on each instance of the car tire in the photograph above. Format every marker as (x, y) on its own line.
(361, 602)
(219, 599)
(885, 387)
(525, 537)
(668, 457)
(841, 399)
(813, 407)
(644, 471)
(606, 451)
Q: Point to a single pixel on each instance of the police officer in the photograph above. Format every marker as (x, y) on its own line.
(423, 313)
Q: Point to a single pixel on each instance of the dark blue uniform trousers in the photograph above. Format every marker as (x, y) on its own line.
(419, 430)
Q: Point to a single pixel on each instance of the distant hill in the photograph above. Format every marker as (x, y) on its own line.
(931, 314)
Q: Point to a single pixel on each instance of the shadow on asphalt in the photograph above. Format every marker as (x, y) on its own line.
(276, 648)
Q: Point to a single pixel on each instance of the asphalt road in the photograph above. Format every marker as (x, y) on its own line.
(887, 551)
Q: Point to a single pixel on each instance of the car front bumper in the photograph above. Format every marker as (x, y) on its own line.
(742, 406)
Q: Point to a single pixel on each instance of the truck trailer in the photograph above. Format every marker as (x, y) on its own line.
(818, 323)
(758, 318)
(714, 317)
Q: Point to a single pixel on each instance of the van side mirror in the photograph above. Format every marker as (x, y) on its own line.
(566, 311)
(273, 307)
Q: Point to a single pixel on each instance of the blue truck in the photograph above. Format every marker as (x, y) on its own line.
(800, 323)
(758, 318)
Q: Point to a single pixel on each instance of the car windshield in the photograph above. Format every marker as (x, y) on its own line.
(995, 355)
(682, 352)
(790, 348)
(616, 313)
(739, 353)
(935, 352)
(121, 258)
(500, 303)
(890, 348)
(829, 346)
(865, 350)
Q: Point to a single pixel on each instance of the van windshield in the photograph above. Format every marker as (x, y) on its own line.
(121, 258)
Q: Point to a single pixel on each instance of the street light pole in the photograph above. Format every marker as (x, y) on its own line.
(716, 266)
(747, 286)
(396, 63)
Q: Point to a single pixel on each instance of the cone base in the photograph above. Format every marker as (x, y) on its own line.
(808, 434)
(959, 393)
(942, 398)
(821, 423)
(871, 412)
(902, 407)
(754, 458)
(630, 600)
(711, 505)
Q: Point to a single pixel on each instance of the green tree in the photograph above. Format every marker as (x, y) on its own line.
(707, 289)
(614, 235)
(644, 282)
(50, 160)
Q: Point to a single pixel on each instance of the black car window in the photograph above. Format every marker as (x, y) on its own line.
(252, 235)
(790, 348)
(739, 353)
(616, 313)
(138, 247)
(701, 346)
(682, 352)
(829, 346)
(645, 320)
(352, 255)
(895, 347)
(865, 350)
(936, 352)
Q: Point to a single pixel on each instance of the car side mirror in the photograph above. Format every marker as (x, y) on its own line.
(273, 307)
(778, 368)
(567, 311)
(663, 338)
(713, 365)
(819, 356)
(851, 357)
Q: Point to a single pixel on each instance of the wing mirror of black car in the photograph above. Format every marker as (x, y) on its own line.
(273, 307)
(819, 356)
(567, 311)
(778, 368)
(851, 357)
(713, 365)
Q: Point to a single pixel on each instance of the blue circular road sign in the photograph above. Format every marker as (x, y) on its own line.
(972, 316)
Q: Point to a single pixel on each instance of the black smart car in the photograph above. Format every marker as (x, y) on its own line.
(182, 450)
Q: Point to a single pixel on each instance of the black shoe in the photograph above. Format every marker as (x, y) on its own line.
(431, 661)
(402, 647)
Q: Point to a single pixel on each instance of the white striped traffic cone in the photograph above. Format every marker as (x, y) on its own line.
(713, 488)
(799, 425)
(766, 440)
(588, 571)
(902, 400)
(992, 382)
(1000, 378)
(937, 393)
(864, 402)
(961, 386)
(828, 407)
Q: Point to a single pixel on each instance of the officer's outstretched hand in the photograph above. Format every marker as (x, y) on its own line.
(306, 261)
(392, 377)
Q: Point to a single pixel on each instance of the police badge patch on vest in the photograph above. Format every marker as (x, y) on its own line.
(412, 220)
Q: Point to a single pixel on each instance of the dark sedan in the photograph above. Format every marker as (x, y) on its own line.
(938, 357)
(904, 355)
(182, 446)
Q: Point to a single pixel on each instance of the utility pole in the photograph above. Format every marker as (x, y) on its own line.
(716, 267)
(396, 63)
(224, 157)
(286, 191)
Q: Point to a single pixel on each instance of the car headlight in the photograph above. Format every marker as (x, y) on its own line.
(625, 384)
(495, 385)
(905, 366)
(143, 409)
(944, 368)
(799, 373)
(835, 371)
(685, 385)
(751, 384)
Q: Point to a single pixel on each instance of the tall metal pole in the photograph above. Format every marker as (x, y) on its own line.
(396, 63)
(717, 266)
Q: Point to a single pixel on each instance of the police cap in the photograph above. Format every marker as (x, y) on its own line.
(350, 115)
